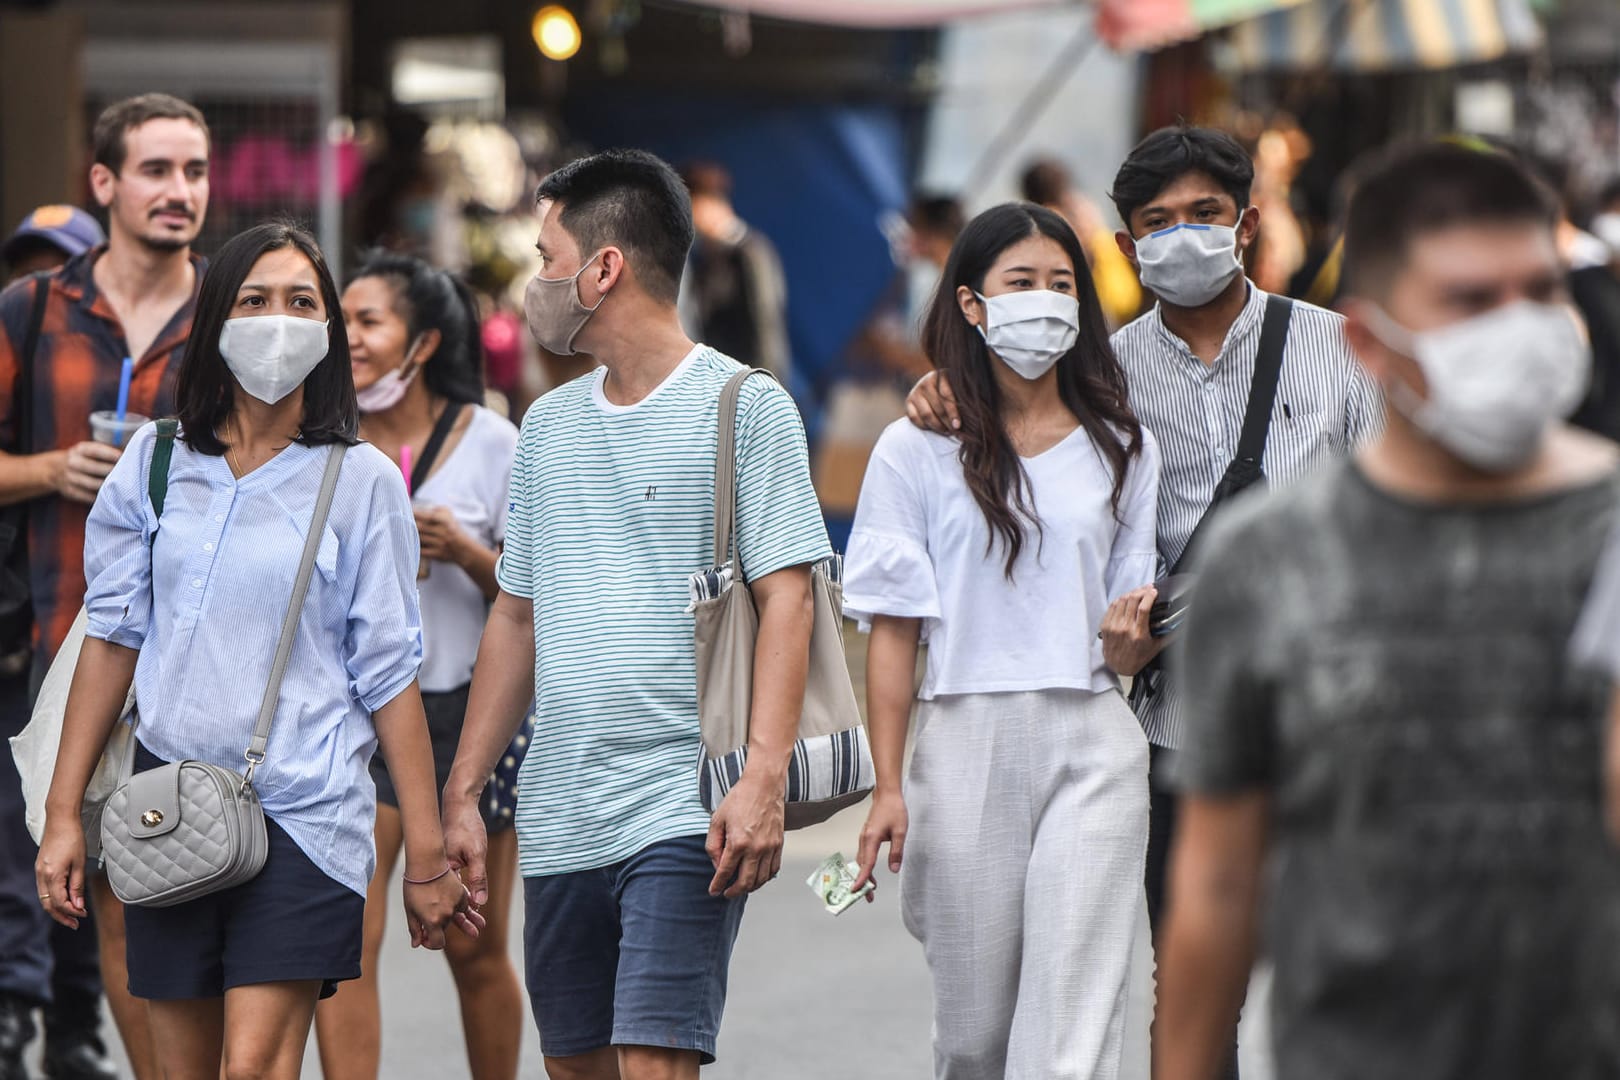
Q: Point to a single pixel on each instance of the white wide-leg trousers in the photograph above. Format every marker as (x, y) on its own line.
(1022, 878)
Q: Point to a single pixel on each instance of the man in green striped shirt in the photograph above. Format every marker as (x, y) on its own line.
(633, 895)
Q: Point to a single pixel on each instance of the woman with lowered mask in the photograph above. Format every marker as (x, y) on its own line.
(1021, 828)
(414, 349)
(274, 518)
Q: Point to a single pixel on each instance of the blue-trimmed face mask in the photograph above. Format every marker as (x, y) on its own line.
(1188, 265)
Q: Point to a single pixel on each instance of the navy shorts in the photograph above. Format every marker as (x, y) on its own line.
(291, 922)
(633, 954)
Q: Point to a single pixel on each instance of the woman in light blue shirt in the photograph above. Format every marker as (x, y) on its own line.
(190, 610)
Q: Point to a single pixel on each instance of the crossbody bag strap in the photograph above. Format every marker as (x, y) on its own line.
(157, 480)
(435, 444)
(1251, 446)
(725, 466)
(295, 609)
(1263, 389)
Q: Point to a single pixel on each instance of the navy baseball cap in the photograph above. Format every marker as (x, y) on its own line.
(67, 227)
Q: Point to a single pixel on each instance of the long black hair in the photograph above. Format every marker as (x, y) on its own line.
(428, 298)
(205, 388)
(1089, 378)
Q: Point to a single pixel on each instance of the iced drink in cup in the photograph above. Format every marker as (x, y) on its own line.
(105, 427)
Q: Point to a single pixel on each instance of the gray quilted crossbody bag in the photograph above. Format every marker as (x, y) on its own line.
(187, 829)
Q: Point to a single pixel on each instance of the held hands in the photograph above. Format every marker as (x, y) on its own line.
(886, 823)
(85, 468)
(443, 538)
(1128, 645)
(932, 406)
(59, 869)
(745, 835)
(466, 842)
(432, 905)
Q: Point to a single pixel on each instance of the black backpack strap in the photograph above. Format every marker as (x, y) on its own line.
(435, 443)
(25, 362)
(157, 481)
(1263, 389)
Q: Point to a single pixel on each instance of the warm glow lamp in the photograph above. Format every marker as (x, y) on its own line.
(556, 32)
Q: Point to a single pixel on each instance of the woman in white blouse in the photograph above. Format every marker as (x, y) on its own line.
(414, 349)
(1022, 826)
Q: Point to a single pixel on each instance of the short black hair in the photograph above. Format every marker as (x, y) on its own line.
(428, 298)
(1609, 194)
(109, 140)
(630, 199)
(1045, 182)
(707, 178)
(938, 214)
(205, 388)
(1171, 153)
(1416, 188)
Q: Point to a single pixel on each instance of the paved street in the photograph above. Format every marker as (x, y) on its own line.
(811, 995)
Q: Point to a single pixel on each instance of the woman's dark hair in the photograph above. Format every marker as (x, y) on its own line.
(205, 388)
(428, 298)
(1171, 153)
(1090, 380)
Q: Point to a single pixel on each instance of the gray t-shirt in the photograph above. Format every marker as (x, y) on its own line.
(1442, 900)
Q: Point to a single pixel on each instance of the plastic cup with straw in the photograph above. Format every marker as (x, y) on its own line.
(114, 427)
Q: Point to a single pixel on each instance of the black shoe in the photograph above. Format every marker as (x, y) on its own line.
(78, 1054)
(16, 1032)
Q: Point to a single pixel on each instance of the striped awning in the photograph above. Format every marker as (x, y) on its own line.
(1135, 25)
(881, 13)
(1384, 35)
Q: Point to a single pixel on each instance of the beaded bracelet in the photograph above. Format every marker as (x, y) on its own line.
(431, 880)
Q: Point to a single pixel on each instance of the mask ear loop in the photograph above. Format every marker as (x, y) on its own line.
(1397, 338)
(410, 359)
(581, 271)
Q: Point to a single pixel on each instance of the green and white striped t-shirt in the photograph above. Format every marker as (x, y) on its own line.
(611, 512)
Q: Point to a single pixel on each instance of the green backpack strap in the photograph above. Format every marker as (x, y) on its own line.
(157, 483)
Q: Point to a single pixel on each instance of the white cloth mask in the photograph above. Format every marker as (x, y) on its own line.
(1188, 265)
(1606, 227)
(272, 355)
(389, 388)
(1496, 381)
(1030, 330)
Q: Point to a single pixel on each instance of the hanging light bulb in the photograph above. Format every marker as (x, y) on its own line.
(556, 32)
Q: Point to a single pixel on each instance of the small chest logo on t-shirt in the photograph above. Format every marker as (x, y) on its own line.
(652, 492)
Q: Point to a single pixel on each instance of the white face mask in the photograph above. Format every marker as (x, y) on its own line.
(1030, 330)
(271, 355)
(1188, 265)
(1496, 381)
(1606, 227)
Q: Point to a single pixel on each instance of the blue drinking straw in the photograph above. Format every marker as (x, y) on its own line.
(123, 398)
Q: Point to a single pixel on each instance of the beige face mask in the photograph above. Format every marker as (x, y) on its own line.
(553, 310)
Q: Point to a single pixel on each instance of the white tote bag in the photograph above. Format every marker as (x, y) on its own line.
(34, 748)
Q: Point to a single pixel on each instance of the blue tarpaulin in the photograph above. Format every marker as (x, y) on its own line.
(814, 178)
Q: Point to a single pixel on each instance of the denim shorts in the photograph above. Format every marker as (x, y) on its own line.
(632, 954)
(289, 923)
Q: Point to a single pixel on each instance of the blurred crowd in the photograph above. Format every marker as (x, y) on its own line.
(1259, 569)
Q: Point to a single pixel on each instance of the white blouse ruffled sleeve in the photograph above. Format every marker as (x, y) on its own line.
(887, 569)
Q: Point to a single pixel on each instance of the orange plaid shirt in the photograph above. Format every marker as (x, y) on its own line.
(76, 367)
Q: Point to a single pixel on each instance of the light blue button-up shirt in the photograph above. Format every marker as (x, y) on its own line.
(204, 605)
